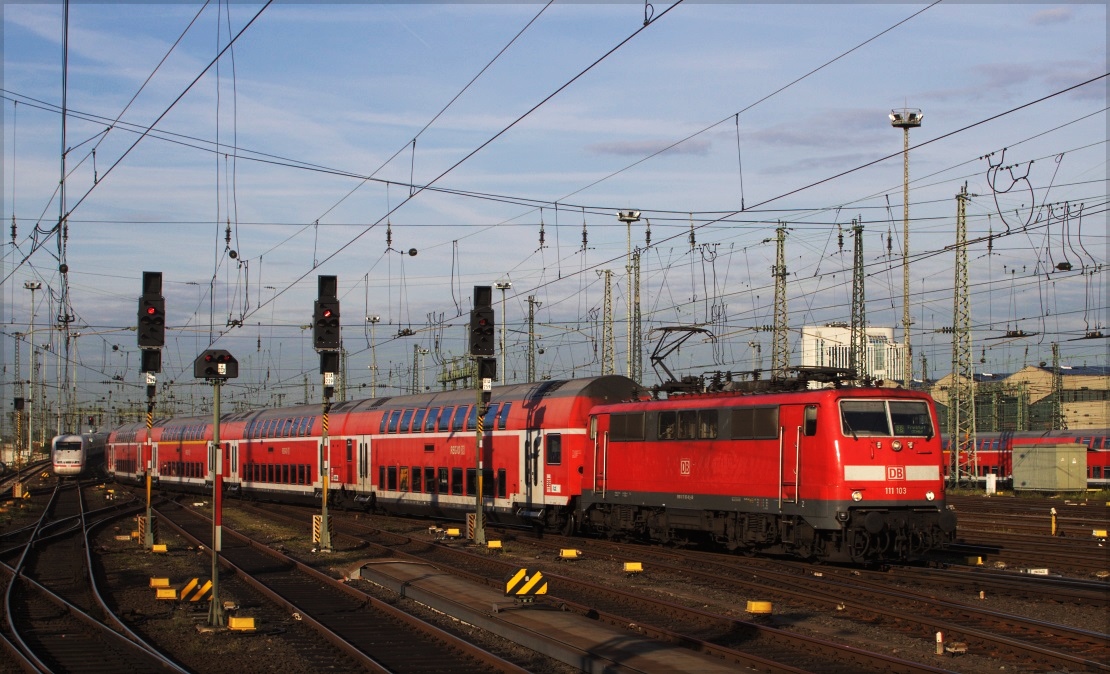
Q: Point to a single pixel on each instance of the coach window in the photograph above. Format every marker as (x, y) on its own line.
(707, 424)
(501, 492)
(490, 418)
(417, 478)
(472, 418)
(554, 449)
(503, 415)
(429, 479)
(405, 419)
(445, 418)
(430, 420)
(456, 481)
(418, 420)
(385, 418)
(404, 481)
(631, 426)
(443, 481)
(459, 418)
(391, 478)
(810, 423)
(394, 417)
(471, 481)
(381, 477)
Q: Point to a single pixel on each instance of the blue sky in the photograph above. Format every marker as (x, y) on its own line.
(779, 103)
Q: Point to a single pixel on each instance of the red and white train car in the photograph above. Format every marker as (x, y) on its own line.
(412, 453)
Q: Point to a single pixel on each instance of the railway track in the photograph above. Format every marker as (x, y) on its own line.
(375, 635)
(915, 612)
(55, 620)
(742, 642)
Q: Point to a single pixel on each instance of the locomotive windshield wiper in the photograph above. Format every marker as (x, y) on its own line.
(849, 425)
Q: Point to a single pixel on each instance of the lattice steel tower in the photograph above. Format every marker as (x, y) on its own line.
(858, 350)
(961, 395)
(607, 324)
(780, 353)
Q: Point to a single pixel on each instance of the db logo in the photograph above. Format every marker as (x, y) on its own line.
(684, 467)
(895, 472)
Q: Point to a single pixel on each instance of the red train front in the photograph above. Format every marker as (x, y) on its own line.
(843, 474)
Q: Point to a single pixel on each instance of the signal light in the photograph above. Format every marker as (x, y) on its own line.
(152, 322)
(216, 364)
(325, 324)
(481, 331)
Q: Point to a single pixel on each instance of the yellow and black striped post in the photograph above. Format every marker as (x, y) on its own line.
(325, 475)
(148, 538)
(479, 524)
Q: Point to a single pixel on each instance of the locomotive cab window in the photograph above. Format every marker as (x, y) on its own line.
(885, 417)
(810, 426)
(910, 417)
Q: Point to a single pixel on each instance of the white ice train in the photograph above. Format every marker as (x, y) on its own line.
(77, 454)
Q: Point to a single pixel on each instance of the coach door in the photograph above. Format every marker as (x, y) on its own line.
(362, 467)
(601, 455)
(232, 462)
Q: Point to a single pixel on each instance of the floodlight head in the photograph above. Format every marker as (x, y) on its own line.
(905, 118)
(628, 216)
(503, 285)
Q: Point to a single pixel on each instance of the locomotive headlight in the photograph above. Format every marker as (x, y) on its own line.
(929, 496)
(857, 496)
(896, 445)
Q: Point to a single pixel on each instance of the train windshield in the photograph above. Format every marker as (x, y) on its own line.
(885, 417)
(67, 446)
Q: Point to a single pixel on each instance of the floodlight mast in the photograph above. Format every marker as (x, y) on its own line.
(632, 338)
(906, 119)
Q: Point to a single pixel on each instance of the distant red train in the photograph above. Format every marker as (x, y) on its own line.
(994, 452)
(845, 474)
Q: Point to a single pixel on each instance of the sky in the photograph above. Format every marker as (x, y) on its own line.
(242, 150)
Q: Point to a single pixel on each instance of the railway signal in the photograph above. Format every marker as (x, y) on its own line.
(216, 364)
(151, 328)
(325, 315)
(482, 322)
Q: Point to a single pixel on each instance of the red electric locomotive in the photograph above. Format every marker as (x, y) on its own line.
(842, 474)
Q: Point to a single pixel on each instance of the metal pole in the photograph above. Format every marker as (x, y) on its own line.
(907, 357)
(216, 609)
(30, 402)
